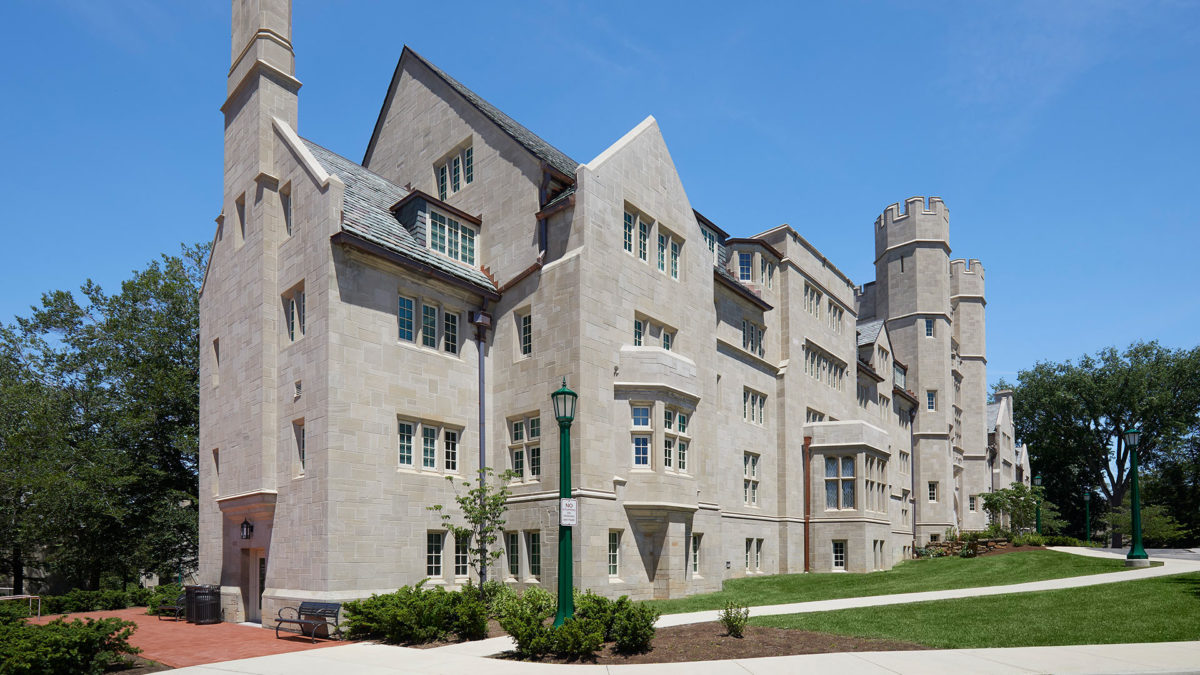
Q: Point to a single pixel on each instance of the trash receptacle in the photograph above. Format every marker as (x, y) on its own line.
(203, 603)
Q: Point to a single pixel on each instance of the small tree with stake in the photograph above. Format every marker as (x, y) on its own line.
(483, 507)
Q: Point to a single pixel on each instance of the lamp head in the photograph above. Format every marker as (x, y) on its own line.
(1037, 480)
(564, 403)
(1132, 435)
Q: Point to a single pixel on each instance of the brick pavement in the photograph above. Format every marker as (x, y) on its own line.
(179, 644)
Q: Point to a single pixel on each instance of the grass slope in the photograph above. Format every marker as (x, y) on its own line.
(909, 576)
(1150, 610)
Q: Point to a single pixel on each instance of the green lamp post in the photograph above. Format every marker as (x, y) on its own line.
(1037, 482)
(1087, 513)
(1137, 555)
(568, 509)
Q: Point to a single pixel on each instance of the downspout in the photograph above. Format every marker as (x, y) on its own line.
(807, 501)
(482, 321)
(912, 471)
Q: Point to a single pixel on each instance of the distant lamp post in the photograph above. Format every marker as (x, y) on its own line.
(1037, 482)
(568, 509)
(1137, 555)
(1087, 514)
(247, 529)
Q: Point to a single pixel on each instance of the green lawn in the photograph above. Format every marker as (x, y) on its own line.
(1150, 610)
(907, 577)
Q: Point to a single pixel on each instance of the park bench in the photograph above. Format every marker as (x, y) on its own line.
(311, 615)
(176, 610)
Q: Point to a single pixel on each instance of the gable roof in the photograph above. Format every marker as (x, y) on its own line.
(367, 214)
(868, 331)
(993, 412)
(530, 141)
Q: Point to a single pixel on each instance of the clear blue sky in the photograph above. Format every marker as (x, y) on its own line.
(1064, 137)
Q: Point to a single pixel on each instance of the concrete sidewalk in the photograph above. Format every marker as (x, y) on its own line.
(469, 657)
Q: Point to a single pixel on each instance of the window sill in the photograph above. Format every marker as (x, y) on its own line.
(615, 580)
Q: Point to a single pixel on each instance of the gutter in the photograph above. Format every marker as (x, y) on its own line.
(808, 502)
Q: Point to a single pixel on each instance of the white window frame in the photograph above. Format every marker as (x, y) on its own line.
(301, 440)
(627, 233)
(695, 549)
(435, 549)
(454, 172)
(450, 237)
(525, 447)
(839, 480)
(750, 478)
(933, 487)
(411, 434)
(839, 555)
(614, 553)
(745, 265)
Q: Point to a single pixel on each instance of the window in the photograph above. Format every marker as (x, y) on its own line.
(614, 553)
(905, 460)
(839, 483)
(762, 269)
(928, 327)
(643, 239)
(971, 503)
(812, 300)
(216, 369)
(433, 554)
(462, 548)
(535, 554)
(884, 359)
(696, 553)
(429, 325)
(216, 464)
(662, 252)
(839, 555)
(457, 171)
(899, 376)
(450, 343)
(451, 238)
(863, 396)
(293, 307)
(404, 318)
(758, 546)
(754, 555)
(641, 416)
(744, 266)
(240, 204)
(639, 330)
(628, 239)
(874, 487)
(514, 554)
(771, 275)
(526, 334)
(285, 205)
(934, 538)
(753, 338)
(666, 340)
(674, 259)
(811, 416)
(933, 490)
(524, 448)
(428, 447)
(931, 399)
(749, 548)
(750, 478)
(668, 453)
(451, 444)
(710, 240)
(405, 431)
(835, 317)
(641, 451)
(298, 431)
(885, 406)
(753, 404)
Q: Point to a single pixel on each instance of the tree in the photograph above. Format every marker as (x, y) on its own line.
(1158, 527)
(1020, 503)
(1073, 416)
(483, 507)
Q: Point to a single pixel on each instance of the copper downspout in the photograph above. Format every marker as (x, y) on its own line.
(807, 501)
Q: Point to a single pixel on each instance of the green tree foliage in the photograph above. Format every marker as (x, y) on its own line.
(1159, 529)
(483, 507)
(1073, 416)
(100, 414)
(1019, 503)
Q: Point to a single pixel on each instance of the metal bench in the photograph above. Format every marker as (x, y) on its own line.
(311, 615)
(176, 610)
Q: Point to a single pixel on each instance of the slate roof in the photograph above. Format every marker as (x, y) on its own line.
(993, 411)
(532, 142)
(367, 214)
(868, 331)
(743, 288)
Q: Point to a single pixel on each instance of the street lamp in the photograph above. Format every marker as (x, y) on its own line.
(1037, 482)
(1137, 555)
(1087, 511)
(568, 509)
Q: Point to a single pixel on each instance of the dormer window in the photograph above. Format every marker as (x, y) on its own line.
(452, 238)
(455, 172)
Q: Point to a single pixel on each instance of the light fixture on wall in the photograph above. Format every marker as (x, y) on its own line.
(247, 529)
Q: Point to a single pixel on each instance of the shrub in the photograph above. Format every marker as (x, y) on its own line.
(140, 596)
(577, 638)
(1062, 540)
(1031, 539)
(81, 646)
(633, 626)
(13, 612)
(499, 597)
(470, 616)
(735, 617)
(540, 598)
(969, 550)
(416, 615)
(598, 608)
(163, 594)
(525, 622)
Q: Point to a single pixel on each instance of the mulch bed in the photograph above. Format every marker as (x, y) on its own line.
(137, 666)
(1011, 549)
(494, 630)
(708, 642)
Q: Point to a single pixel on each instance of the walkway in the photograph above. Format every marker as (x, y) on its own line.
(179, 643)
(1175, 657)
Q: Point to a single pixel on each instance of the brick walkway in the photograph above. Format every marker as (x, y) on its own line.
(180, 644)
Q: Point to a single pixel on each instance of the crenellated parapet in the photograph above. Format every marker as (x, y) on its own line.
(916, 220)
(966, 278)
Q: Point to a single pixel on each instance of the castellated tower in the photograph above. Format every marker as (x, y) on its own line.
(969, 369)
(913, 296)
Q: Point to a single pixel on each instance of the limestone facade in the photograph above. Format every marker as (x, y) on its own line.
(370, 330)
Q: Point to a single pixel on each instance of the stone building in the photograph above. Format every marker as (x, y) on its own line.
(368, 329)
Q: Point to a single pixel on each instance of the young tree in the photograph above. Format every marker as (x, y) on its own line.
(1020, 503)
(483, 508)
(1158, 527)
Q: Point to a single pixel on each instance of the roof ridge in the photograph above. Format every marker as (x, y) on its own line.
(356, 164)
